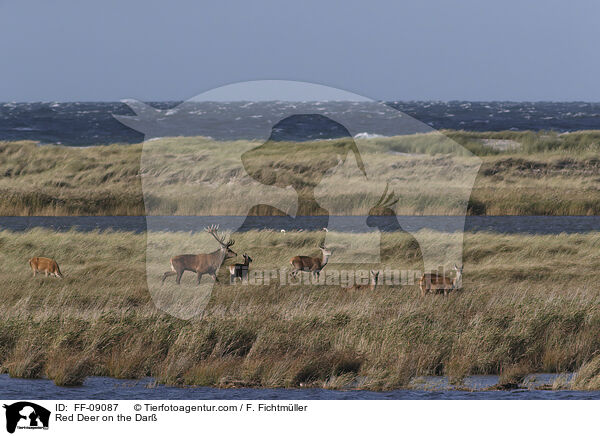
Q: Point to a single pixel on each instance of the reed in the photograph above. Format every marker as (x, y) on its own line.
(547, 174)
(528, 303)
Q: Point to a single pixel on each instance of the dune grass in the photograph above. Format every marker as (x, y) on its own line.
(548, 174)
(528, 304)
(58, 180)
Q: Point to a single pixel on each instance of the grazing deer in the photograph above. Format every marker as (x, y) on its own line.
(239, 270)
(45, 265)
(434, 282)
(201, 264)
(313, 265)
(373, 282)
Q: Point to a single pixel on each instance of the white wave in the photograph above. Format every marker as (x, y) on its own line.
(367, 135)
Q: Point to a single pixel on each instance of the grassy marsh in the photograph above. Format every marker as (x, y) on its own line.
(549, 174)
(529, 303)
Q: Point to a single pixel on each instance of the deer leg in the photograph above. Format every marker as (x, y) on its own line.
(46, 273)
(199, 277)
(214, 276)
(167, 274)
(178, 278)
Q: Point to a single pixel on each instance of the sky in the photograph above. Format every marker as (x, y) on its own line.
(107, 50)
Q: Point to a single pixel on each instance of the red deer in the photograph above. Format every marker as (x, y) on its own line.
(239, 270)
(45, 265)
(373, 282)
(313, 265)
(201, 264)
(435, 282)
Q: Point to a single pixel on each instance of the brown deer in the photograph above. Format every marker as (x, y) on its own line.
(373, 282)
(45, 265)
(201, 264)
(239, 270)
(313, 265)
(435, 282)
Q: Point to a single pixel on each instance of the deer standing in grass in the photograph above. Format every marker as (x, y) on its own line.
(313, 265)
(239, 270)
(435, 282)
(45, 265)
(373, 282)
(208, 263)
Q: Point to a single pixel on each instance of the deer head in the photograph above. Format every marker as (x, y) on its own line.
(385, 203)
(225, 246)
(324, 250)
(458, 278)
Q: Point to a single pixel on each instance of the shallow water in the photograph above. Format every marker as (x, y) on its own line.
(500, 224)
(104, 388)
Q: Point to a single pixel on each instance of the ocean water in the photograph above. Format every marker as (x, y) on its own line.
(89, 123)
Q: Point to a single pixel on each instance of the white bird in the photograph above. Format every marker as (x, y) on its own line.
(325, 228)
(282, 231)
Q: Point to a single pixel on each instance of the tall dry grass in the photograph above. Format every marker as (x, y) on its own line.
(549, 174)
(528, 302)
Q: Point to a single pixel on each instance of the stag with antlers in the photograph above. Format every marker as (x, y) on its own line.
(207, 263)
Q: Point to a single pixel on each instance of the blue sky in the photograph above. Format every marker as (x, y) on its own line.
(69, 50)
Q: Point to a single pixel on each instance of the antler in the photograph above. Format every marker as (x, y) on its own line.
(214, 231)
(386, 199)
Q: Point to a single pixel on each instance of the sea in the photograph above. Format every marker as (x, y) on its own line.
(94, 123)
